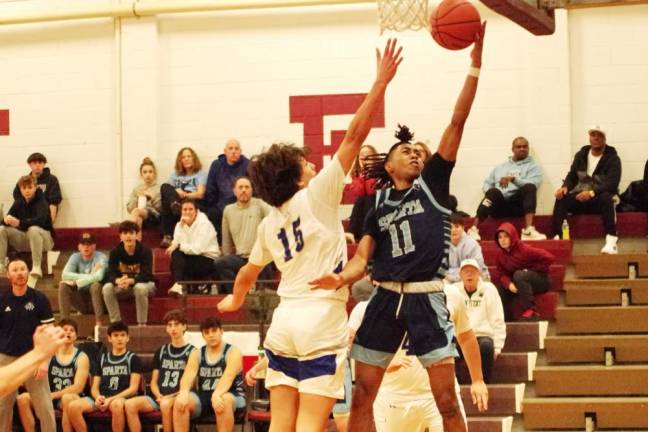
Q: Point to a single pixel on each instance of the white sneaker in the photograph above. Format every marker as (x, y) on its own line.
(474, 233)
(176, 290)
(36, 271)
(610, 247)
(32, 281)
(556, 237)
(530, 233)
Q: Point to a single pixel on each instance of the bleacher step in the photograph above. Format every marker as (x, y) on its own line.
(591, 380)
(525, 336)
(569, 413)
(490, 424)
(609, 266)
(601, 319)
(503, 399)
(508, 368)
(605, 292)
(591, 349)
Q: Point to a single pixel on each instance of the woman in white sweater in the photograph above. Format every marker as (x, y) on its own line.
(194, 247)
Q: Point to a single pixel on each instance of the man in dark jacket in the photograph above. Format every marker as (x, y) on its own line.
(45, 181)
(522, 272)
(130, 273)
(27, 227)
(590, 186)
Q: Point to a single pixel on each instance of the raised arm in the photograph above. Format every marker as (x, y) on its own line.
(451, 138)
(361, 124)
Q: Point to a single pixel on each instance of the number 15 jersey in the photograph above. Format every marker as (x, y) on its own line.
(304, 237)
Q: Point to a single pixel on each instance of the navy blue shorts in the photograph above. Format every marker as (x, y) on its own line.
(423, 317)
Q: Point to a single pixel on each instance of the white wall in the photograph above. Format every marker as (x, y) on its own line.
(96, 99)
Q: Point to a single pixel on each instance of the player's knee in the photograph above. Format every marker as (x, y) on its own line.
(166, 405)
(117, 406)
(130, 406)
(23, 400)
(447, 403)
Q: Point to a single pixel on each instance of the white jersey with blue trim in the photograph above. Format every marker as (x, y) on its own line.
(304, 237)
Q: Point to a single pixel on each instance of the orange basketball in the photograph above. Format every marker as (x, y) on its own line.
(455, 23)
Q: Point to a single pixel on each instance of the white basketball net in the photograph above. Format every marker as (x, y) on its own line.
(399, 15)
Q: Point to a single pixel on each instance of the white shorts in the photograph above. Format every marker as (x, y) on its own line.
(306, 346)
(416, 414)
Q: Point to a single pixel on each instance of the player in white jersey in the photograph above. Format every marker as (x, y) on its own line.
(306, 343)
(404, 401)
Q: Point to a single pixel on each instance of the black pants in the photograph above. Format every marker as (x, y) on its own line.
(191, 267)
(601, 204)
(487, 354)
(522, 202)
(168, 216)
(226, 268)
(528, 283)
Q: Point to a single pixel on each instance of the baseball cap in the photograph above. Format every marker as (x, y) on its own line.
(596, 128)
(87, 238)
(469, 262)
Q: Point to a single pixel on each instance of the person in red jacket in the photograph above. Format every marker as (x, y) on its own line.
(523, 272)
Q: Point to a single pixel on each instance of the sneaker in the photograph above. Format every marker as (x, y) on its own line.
(202, 289)
(32, 281)
(176, 290)
(474, 233)
(530, 233)
(36, 271)
(529, 315)
(556, 237)
(610, 246)
(166, 241)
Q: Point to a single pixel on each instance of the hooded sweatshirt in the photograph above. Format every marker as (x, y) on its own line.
(525, 171)
(605, 177)
(199, 238)
(138, 266)
(49, 184)
(519, 256)
(485, 311)
(466, 248)
(220, 180)
(33, 213)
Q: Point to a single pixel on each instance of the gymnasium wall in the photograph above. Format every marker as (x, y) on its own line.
(96, 96)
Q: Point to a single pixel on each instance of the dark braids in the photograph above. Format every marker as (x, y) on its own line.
(375, 164)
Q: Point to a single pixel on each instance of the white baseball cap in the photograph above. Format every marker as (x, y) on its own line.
(469, 262)
(596, 128)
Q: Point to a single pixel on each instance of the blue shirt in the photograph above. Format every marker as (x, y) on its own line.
(188, 183)
(80, 271)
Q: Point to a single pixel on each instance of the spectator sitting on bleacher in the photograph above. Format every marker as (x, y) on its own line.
(81, 280)
(485, 311)
(130, 273)
(67, 375)
(28, 227)
(194, 247)
(145, 202)
(462, 246)
(635, 197)
(362, 191)
(45, 181)
(116, 377)
(523, 272)
(511, 190)
(169, 361)
(240, 222)
(217, 369)
(590, 186)
(187, 181)
(223, 173)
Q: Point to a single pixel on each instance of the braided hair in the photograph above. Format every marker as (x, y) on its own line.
(375, 164)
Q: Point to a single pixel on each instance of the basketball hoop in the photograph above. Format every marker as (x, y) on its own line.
(400, 15)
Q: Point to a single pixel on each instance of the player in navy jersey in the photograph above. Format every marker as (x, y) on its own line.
(115, 377)
(169, 362)
(217, 369)
(67, 375)
(408, 234)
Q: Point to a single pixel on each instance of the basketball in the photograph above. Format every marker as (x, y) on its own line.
(454, 24)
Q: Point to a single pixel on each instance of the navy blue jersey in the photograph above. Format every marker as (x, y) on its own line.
(210, 373)
(411, 227)
(19, 317)
(170, 362)
(115, 372)
(61, 375)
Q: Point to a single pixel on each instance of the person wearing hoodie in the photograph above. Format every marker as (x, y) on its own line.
(462, 247)
(45, 181)
(523, 272)
(130, 273)
(28, 227)
(511, 190)
(590, 186)
(485, 311)
(194, 247)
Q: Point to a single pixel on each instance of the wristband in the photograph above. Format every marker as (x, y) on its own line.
(474, 72)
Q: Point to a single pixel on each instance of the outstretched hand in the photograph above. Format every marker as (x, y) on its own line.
(388, 61)
(331, 281)
(476, 53)
(229, 304)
